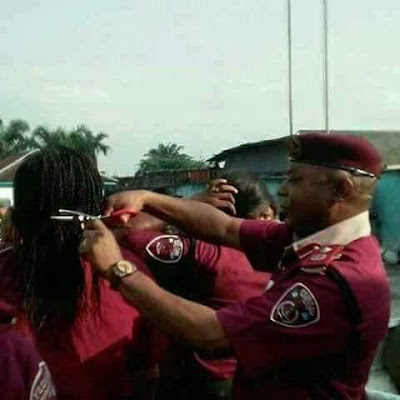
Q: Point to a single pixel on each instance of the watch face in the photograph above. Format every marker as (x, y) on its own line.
(123, 268)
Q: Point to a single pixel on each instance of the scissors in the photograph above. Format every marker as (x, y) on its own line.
(72, 215)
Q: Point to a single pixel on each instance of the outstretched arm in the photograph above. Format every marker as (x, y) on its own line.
(195, 323)
(196, 218)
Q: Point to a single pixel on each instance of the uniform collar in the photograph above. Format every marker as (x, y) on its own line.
(339, 234)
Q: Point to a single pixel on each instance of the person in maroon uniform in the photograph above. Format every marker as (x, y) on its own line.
(314, 332)
(214, 275)
(91, 339)
(23, 373)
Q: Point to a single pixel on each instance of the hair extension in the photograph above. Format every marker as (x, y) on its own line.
(47, 253)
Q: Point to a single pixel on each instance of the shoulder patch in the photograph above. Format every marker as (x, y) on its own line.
(296, 308)
(167, 249)
(42, 386)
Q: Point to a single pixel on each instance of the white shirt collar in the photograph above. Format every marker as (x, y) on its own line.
(341, 233)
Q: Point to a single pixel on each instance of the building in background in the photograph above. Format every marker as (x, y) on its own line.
(269, 159)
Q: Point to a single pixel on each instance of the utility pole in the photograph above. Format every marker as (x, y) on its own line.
(325, 64)
(290, 72)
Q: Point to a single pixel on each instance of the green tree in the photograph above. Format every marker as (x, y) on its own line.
(13, 137)
(80, 138)
(43, 137)
(168, 157)
(83, 139)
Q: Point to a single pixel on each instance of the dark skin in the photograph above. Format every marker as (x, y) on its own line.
(219, 194)
(313, 199)
(193, 322)
(306, 199)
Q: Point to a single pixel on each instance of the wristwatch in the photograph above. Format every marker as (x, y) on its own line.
(119, 270)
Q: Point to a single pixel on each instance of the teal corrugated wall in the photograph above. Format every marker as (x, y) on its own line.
(188, 190)
(386, 205)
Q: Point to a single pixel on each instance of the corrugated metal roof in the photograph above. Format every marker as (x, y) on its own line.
(387, 142)
(9, 165)
(221, 156)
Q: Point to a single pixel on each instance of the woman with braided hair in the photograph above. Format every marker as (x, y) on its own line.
(90, 338)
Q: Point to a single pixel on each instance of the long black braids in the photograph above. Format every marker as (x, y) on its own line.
(47, 256)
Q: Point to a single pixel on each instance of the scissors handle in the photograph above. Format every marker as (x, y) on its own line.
(117, 214)
(115, 217)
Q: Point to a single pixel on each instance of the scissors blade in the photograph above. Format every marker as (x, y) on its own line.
(63, 217)
(78, 214)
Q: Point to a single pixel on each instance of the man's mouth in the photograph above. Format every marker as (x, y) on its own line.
(284, 208)
(283, 212)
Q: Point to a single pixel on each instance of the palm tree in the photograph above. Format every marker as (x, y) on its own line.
(80, 138)
(167, 157)
(12, 137)
(84, 140)
(42, 137)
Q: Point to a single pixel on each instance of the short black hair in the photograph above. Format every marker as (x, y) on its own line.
(252, 192)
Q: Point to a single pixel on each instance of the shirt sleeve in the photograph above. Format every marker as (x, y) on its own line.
(267, 332)
(263, 242)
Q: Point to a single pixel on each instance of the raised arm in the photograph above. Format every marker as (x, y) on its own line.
(196, 218)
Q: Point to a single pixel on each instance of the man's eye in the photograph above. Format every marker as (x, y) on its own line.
(293, 179)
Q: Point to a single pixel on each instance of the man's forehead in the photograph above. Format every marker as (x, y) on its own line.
(300, 167)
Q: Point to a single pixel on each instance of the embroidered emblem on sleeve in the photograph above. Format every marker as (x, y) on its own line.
(167, 249)
(296, 308)
(42, 386)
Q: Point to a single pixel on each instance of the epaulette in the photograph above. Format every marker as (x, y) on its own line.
(315, 256)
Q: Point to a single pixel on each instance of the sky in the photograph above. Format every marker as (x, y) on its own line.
(207, 75)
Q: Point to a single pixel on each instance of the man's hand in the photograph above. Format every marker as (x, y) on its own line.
(99, 247)
(193, 217)
(131, 198)
(220, 195)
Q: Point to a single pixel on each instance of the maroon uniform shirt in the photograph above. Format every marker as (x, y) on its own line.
(315, 331)
(214, 275)
(93, 359)
(23, 373)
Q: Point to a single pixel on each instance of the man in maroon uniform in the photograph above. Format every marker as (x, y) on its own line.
(314, 332)
(23, 373)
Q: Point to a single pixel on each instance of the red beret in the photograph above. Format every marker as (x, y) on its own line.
(340, 151)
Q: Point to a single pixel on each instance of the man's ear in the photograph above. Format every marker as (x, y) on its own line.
(343, 188)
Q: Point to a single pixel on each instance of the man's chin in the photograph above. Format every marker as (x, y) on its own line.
(284, 217)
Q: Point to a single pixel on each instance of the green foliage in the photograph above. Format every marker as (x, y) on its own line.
(13, 137)
(81, 138)
(16, 137)
(168, 157)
